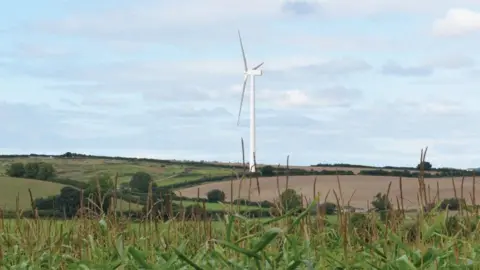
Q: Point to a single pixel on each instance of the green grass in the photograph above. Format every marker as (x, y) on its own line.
(218, 206)
(13, 188)
(86, 169)
(194, 175)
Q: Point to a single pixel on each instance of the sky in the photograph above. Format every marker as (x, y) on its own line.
(365, 82)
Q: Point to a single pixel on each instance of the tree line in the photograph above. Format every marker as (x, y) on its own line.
(31, 170)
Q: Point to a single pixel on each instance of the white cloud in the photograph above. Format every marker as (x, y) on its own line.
(457, 22)
(452, 62)
(295, 98)
(317, 98)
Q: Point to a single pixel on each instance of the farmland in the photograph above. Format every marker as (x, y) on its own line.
(357, 189)
(15, 191)
(222, 235)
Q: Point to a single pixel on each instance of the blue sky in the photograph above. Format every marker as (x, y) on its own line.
(368, 82)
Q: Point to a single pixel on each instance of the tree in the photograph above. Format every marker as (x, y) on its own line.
(45, 171)
(16, 170)
(328, 208)
(141, 181)
(99, 192)
(216, 195)
(381, 202)
(267, 170)
(31, 170)
(69, 201)
(426, 166)
(452, 204)
(289, 199)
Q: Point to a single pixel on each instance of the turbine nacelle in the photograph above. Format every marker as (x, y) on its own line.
(254, 72)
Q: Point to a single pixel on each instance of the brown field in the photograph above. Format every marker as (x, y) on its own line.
(363, 188)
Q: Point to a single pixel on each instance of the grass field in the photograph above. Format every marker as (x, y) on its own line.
(13, 188)
(218, 206)
(86, 169)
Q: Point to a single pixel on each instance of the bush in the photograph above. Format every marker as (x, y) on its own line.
(31, 170)
(99, 192)
(452, 204)
(216, 195)
(140, 181)
(426, 166)
(241, 202)
(289, 199)
(328, 208)
(267, 171)
(412, 232)
(381, 202)
(363, 226)
(16, 170)
(45, 171)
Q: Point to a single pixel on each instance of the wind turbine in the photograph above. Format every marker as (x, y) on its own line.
(249, 73)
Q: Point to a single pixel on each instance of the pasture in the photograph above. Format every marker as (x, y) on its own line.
(84, 169)
(14, 191)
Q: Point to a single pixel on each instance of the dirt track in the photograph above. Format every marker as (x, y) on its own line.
(365, 187)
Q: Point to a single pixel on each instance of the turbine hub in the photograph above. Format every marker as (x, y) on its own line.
(254, 72)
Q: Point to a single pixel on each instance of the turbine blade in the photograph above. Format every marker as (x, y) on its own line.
(241, 100)
(243, 52)
(261, 64)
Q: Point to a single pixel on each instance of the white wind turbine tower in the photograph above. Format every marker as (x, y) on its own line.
(252, 73)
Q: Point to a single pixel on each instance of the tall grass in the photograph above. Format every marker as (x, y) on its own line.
(429, 239)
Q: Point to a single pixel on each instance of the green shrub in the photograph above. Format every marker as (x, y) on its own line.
(31, 170)
(45, 171)
(289, 199)
(16, 169)
(267, 171)
(452, 204)
(362, 225)
(216, 195)
(381, 202)
(328, 208)
(141, 181)
(426, 166)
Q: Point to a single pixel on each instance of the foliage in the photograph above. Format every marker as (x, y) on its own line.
(289, 199)
(412, 174)
(238, 242)
(141, 181)
(452, 204)
(216, 195)
(346, 165)
(381, 202)
(16, 169)
(267, 170)
(426, 166)
(328, 208)
(45, 171)
(263, 204)
(32, 170)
